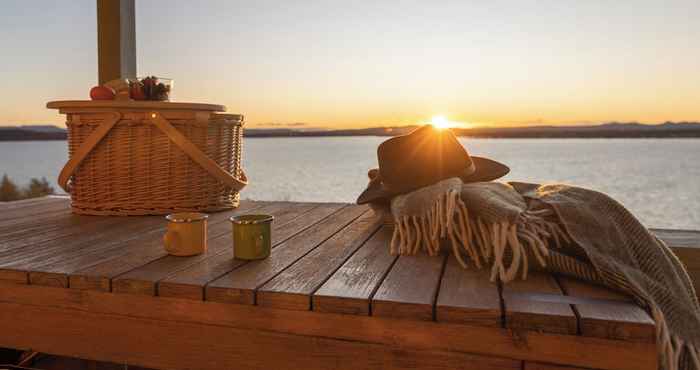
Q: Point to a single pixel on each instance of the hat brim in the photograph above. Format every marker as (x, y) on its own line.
(486, 170)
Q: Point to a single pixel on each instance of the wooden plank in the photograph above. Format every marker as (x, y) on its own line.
(467, 296)
(24, 260)
(536, 304)
(428, 360)
(144, 279)
(15, 213)
(607, 314)
(144, 250)
(318, 213)
(410, 288)
(408, 334)
(49, 269)
(93, 234)
(240, 285)
(350, 288)
(684, 243)
(178, 345)
(36, 221)
(13, 277)
(24, 203)
(58, 225)
(190, 282)
(679, 238)
(293, 287)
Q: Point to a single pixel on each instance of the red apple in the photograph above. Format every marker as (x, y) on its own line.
(136, 91)
(101, 93)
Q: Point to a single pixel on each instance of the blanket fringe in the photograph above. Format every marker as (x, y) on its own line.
(504, 246)
(671, 346)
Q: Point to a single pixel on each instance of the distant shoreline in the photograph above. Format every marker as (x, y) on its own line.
(603, 131)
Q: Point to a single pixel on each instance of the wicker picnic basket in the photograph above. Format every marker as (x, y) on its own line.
(142, 160)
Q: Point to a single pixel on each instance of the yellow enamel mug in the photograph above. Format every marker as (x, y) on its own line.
(186, 234)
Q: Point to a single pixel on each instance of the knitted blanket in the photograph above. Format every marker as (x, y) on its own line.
(514, 227)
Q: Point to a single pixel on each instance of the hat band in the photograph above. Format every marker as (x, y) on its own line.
(378, 178)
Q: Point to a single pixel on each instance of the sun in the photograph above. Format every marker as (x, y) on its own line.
(441, 122)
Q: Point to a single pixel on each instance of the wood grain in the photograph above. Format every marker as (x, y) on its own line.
(40, 222)
(684, 243)
(47, 270)
(240, 285)
(181, 345)
(58, 225)
(31, 202)
(144, 279)
(467, 296)
(350, 288)
(679, 238)
(410, 288)
(144, 250)
(532, 305)
(408, 334)
(93, 236)
(321, 261)
(13, 213)
(608, 314)
(293, 287)
(190, 282)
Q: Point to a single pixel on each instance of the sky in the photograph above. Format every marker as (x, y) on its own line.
(347, 64)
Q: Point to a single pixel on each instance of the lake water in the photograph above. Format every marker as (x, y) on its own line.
(657, 179)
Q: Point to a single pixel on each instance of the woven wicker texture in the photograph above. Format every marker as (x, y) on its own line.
(136, 169)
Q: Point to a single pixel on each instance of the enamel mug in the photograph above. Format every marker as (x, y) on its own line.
(186, 234)
(252, 236)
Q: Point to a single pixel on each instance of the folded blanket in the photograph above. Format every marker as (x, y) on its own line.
(514, 227)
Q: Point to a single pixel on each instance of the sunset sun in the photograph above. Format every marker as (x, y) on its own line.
(441, 122)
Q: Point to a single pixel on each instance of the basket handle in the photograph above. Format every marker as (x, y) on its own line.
(175, 136)
(92, 140)
(197, 155)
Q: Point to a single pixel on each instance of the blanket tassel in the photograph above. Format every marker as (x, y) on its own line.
(504, 245)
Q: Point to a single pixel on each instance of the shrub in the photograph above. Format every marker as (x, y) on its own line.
(38, 188)
(9, 191)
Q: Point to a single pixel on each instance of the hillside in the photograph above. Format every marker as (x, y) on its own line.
(606, 130)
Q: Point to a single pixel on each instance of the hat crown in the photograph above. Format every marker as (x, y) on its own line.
(423, 157)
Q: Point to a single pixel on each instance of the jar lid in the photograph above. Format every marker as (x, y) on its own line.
(186, 217)
(251, 219)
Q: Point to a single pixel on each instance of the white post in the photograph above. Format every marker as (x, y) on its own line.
(116, 39)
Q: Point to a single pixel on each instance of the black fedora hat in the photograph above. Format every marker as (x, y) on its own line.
(424, 157)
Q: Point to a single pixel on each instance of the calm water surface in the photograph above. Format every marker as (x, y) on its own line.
(657, 179)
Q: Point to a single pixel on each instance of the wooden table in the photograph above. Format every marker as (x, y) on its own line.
(329, 297)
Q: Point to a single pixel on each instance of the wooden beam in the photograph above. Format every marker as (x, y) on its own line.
(116, 39)
(101, 326)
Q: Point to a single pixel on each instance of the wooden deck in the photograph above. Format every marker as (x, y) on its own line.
(329, 297)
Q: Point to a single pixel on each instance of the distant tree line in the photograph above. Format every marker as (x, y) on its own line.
(9, 191)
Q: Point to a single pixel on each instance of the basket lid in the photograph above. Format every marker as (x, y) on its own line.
(133, 104)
